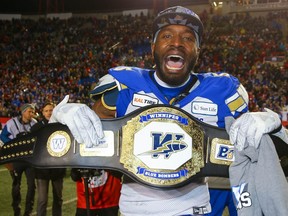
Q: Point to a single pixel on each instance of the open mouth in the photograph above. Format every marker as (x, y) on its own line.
(174, 62)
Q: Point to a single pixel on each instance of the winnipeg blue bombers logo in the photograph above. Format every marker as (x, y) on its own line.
(163, 145)
(166, 145)
(58, 143)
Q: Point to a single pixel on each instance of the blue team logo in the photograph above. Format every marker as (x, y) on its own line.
(162, 146)
(166, 145)
(58, 143)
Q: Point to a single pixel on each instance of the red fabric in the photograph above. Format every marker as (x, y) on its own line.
(105, 196)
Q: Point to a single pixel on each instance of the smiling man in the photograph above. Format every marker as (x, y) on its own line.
(175, 54)
(176, 40)
(210, 97)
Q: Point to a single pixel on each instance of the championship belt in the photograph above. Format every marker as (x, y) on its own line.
(159, 146)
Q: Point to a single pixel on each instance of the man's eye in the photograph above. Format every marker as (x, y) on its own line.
(188, 38)
(167, 36)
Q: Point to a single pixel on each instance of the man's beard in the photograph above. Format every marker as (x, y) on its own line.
(173, 81)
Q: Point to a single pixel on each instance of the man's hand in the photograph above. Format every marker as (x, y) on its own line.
(84, 124)
(250, 127)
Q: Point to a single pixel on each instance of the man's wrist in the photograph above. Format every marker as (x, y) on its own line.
(282, 134)
(275, 131)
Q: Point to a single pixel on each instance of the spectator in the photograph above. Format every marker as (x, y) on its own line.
(16, 127)
(44, 176)
(235, 44)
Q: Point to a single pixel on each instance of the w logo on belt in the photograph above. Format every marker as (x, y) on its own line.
(58, 143)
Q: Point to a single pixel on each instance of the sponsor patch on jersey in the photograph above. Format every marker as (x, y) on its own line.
(140, 100)
(204, 108)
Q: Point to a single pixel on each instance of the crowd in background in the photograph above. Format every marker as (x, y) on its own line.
(49, 58)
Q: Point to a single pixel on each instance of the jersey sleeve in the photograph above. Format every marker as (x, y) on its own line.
(5, 135)
(238, 102)
(221, 95)
(234, 93)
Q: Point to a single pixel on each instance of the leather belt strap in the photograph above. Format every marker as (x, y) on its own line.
(53, 146)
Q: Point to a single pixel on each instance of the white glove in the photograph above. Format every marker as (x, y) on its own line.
(84, 124)
(250, 127)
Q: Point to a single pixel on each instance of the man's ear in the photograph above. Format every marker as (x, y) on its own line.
(152, 49)
(198, 51)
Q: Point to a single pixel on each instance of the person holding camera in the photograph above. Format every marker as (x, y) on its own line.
(16, 127)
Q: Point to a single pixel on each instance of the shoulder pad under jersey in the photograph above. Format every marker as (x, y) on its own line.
(106, 89)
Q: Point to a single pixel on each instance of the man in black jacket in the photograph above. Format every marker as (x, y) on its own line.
(43, 176)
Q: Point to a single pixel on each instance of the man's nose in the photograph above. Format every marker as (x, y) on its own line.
(177, 41)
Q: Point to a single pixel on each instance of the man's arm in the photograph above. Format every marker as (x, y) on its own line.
(102, 111)
(4, 136)
(83, 122)
(281, 133)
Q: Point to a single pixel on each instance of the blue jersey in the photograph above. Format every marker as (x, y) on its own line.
(211, 98)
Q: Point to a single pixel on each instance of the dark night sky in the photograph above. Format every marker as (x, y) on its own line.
(81, 6)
